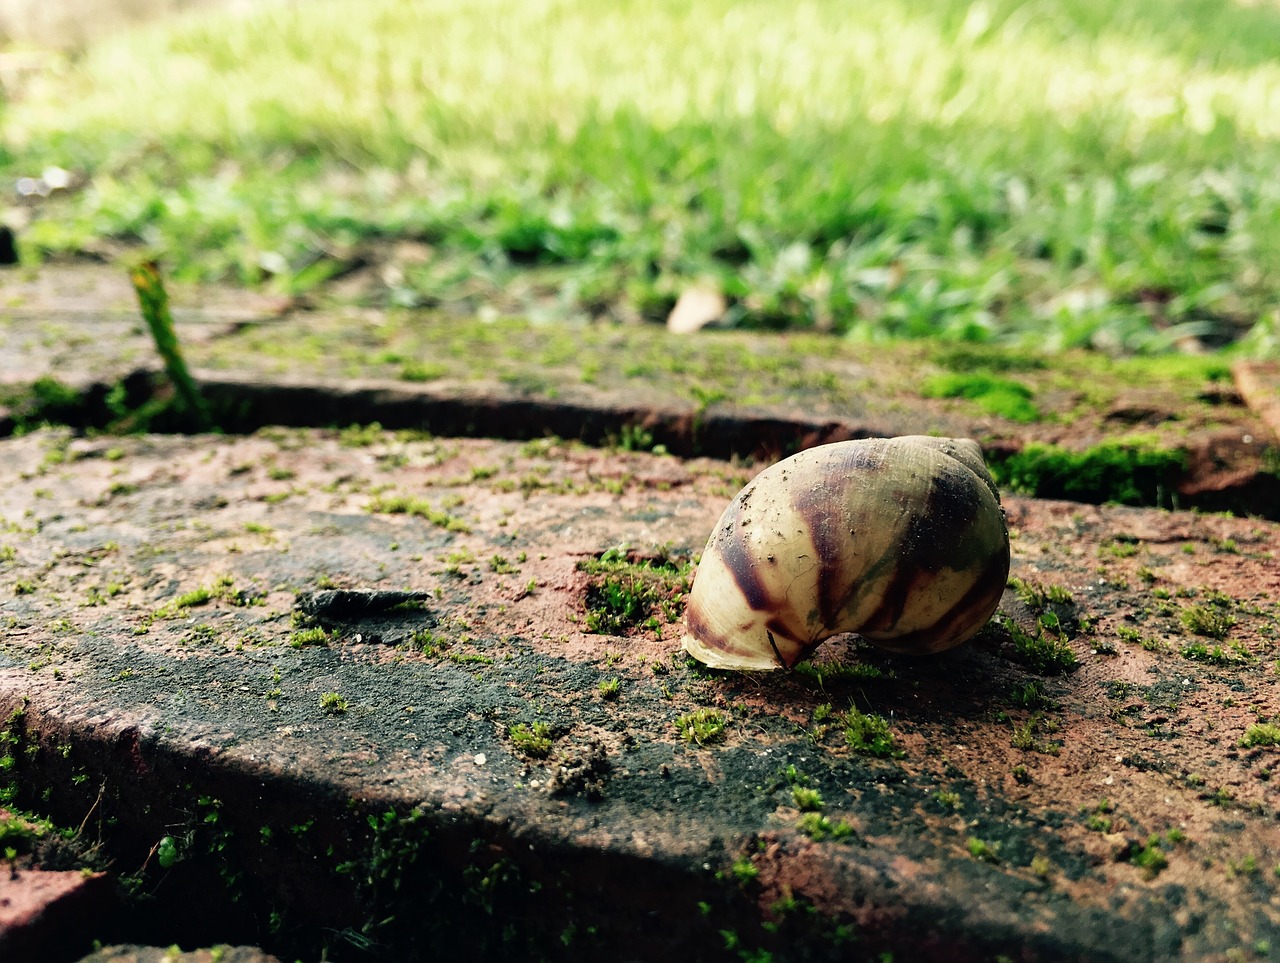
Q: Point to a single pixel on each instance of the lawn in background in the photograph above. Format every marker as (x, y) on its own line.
(1044, 173)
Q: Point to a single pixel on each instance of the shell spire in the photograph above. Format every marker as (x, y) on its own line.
(900, 540)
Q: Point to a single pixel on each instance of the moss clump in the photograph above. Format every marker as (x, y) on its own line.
(982, 850)
(1038, 597)
(333, 704)
(824, 672)
(1128, 472)
(1031, 695)
(999, 396)
(819, 827)
(1045, 653)
(867, 733)
(610, 688)
(418, 507)
(807, 800)
(625, 591)
(531, 739)
(1261, 734)
(1149, 857)
(1207, 620)
(312, 636)
(701, 726)
(1025, 735)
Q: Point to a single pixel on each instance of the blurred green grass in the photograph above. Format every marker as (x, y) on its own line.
(1055, 174)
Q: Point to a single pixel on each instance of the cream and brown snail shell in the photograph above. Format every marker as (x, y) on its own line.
(901, 540)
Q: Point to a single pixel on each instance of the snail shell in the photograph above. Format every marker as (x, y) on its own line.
(901, 540)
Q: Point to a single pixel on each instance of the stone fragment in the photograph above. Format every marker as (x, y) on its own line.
(1259, 384)
(44, 915)
(696, 308)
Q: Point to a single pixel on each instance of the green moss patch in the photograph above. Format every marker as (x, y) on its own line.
(627, 591)
(1000, 396)
(1128, 472)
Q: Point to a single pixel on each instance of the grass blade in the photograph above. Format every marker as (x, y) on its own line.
(154, 302)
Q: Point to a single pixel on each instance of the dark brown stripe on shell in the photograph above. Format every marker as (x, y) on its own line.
(985, 591)
(703, 632)
(952, 505)
(929, 544)
(826, 526)
(893, 600)
(742, 565)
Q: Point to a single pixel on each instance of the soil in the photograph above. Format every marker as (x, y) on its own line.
(368, 790)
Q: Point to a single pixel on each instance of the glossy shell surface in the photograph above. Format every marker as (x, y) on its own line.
(901, 540)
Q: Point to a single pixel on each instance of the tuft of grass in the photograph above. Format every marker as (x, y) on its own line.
(1214, 655)
(1025, 736)
(1207, 620)
(419, 372)
(443, 123)
(1149, 857)
(223, 589)
(1031, 695)
(1044, 652)
(807, 800)
(819, 827)
(981, 850)
(361, 436)
(429, 643)
(1037, 597)
(153, 301)
(824, 672)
